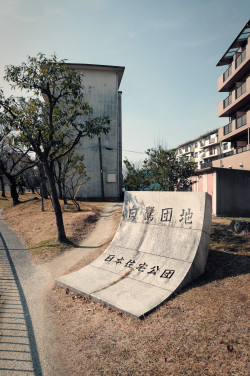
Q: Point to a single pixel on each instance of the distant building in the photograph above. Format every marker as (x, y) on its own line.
(203, 149)
(102, 155)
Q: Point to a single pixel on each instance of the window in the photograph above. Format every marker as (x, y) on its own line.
(225, 147)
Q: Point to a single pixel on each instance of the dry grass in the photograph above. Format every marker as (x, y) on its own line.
(203, 331)
(38, 229)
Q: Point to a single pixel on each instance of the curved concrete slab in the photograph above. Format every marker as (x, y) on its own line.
(161, 245)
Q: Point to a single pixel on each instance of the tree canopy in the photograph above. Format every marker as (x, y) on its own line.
(161, 171)
(53, 120)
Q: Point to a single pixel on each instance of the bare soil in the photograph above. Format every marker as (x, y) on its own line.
(38, 228)
(201, 331)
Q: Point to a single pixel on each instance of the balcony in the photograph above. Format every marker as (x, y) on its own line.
(213, 140)
(241, 121)
(227, 129)
(241, 149)
(238, 68)
(206, 165)
(240, 90)
(240, 58)
(211, 152)
(237, 126)
(227, 73)
(209, 163)
(227, 101)
(239, 98)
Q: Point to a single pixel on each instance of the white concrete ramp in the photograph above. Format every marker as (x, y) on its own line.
(161, 245)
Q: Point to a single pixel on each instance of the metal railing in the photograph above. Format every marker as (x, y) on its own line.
(227, 73)
(240, 58)
(241, 90)
(220, 156)
(227, 101)
(240, 121)
(206, 165)
(241, 149)
(212, 140)
(227, 129)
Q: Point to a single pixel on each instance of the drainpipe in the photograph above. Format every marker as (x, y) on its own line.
(248, 141)
(220, 154)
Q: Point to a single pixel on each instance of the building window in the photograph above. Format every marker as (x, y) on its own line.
(225, 147)
(196, 155)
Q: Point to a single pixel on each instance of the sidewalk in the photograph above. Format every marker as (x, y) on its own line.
(18, 349)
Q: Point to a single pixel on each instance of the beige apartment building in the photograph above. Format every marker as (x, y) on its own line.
(204, 149)
(235, 81)
(223, 155)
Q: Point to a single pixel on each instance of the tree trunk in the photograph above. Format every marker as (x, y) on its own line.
(43, 188)
(59, 184)
(56, 204)
(42, 204)
(13, 191)
(64, 193)
(58, 179)
(2, 186)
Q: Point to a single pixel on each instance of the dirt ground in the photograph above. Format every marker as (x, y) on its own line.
(38, 228)
(201, 331)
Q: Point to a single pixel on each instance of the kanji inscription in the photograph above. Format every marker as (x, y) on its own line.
(142, 267)
(186, 216)
(165, 215)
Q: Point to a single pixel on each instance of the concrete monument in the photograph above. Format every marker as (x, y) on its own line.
(161, 245)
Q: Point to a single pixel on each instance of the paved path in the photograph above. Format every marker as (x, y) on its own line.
(18, 349)
(24, 348)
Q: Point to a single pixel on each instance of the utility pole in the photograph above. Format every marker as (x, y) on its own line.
(101, 168)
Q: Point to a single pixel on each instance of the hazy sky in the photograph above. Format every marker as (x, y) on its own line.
(169, 48)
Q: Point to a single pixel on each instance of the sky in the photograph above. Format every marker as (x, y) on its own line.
(169, 49)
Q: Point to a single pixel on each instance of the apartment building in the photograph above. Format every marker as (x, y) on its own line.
(223, 155)
(235, 81)
(103, 153)
(204, 149)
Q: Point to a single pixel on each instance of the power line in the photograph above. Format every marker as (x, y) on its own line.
(132, 151)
